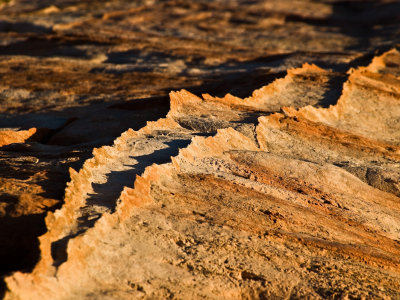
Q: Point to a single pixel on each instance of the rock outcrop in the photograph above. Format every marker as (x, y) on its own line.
(233, 201)
(291, 191)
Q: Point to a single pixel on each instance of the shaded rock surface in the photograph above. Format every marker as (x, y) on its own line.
(290, 192)
(274, 207)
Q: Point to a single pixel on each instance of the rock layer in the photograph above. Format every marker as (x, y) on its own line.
(76, 74)
(302, 203)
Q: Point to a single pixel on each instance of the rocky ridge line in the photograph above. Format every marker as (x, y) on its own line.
(292, 204)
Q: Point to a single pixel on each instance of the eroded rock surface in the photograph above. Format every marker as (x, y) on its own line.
(290, 192)
(302, 203)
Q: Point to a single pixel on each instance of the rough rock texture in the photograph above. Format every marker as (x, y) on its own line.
(298, 204)
(292, 192)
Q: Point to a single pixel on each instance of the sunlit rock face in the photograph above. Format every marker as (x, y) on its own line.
(216, 149)
(228, 200)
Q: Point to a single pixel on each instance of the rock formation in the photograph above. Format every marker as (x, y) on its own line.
(302, 203)
(291, 192)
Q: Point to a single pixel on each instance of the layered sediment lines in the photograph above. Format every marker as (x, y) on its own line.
(224, 198)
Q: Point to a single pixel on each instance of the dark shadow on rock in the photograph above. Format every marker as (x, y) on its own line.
(359, 19)
(23, 27)
(133, 56)
(160, 102)
(333, 93)
(107, 194)
(252, 117)
(19, 246)
(47, 46)
(240, 84)
(59, 249)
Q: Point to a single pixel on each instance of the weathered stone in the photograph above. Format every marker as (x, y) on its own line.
(292, 192)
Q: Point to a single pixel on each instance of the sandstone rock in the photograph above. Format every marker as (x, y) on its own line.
(12, 136)
(291, 192)
(274, 214)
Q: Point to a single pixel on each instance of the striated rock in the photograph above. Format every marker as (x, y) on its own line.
(305, 204)
(289, 192)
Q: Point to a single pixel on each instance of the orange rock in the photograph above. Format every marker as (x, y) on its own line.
(10, 136)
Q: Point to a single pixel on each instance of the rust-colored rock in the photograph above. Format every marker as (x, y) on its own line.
(12, 136)
(291, 192)
(284, 210)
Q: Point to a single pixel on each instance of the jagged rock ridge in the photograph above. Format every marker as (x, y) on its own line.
(252, 204)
